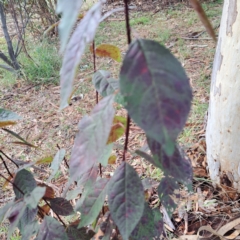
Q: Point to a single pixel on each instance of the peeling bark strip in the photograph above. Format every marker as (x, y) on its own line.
(217, 65)
(232, 16)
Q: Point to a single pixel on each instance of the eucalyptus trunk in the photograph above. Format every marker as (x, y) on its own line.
(223, 127)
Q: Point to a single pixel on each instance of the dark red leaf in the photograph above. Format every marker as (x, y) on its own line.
(25, 181)
(126, 199)
(61, 206)
(156, 91)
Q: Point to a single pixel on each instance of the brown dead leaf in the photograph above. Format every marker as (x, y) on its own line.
(49, 194)
(200, 172)
(231, 192)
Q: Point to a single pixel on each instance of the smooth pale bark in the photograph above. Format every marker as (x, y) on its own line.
(223, 127)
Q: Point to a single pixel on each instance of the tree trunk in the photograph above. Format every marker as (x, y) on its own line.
(8, 39)
(223, 127)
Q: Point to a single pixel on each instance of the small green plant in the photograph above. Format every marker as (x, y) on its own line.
(44, 64)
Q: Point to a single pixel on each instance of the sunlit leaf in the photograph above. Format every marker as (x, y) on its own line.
(112, 159)
(14, 216)
(70, 11)
(118, 129)
(33, 198)
(108, 50)
(51, 229)
(30, 230)
(45, 160)
(74, 193)
(79, 234)
(145, 228)
(203, 17)
(93, 134)
(83, 35)
(61, 206)
(56, 163)
(126, 199)
(4, 210)
(25, 181)
(87, 181)
(28, 217)
(24, 142)
(104, 83)
(106, 155)
(156, 91)
(93, 203)
(7, 118)
(6, 123)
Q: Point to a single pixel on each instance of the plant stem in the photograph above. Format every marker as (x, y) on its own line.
(9, 158)
(94, 65)
(127, 22)
(14, 185)
(129, 42)
(5, 165)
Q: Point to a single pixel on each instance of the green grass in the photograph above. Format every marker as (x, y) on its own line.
(143, 20)
(164, 35)
(45, 65)
(4, 231)
(43, 68)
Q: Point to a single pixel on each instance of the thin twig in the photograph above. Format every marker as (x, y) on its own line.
(9, 158)
(55, 213)
(14, 185)
(5, 165)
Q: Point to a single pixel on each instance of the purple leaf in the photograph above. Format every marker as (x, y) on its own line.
(174, 166)
(14, 216)
(51, 229)
(93, 203)
(25, 181)
(176, 170)
(70, 10)
(74, 233)
(126, 199)
(61, 206)
(158, 222)
(107, 226)
(168, 191)
(83, 35)
(146, 228)
(4, 210)
(92, 138)
(156, 91)
(104, 84)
